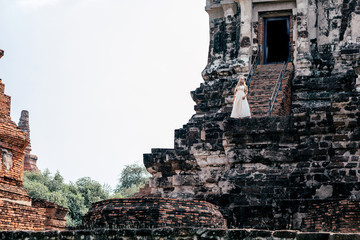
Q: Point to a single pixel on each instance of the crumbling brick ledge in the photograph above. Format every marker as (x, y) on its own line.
(176, 233)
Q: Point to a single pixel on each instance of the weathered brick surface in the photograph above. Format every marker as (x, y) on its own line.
(30, 159)
(54, 214)
(152, 213)
(17, 210)
(143, 192)
(175, 233)
(339, 216)
(262, 87)
(269, 172)
(36, 215)
(14, 216)
(225, 43)
(12, 140)
(266, 172)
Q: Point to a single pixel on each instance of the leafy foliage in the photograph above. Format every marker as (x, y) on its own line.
(132, 178)
(91, 190)
(77, 197)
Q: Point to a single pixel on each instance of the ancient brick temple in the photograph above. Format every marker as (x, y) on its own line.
(18, 211)
(293, 165)
(274, 172)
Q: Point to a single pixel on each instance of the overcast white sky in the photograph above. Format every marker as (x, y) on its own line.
(104, 80)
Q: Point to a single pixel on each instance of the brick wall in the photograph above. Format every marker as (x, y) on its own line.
(36, 215)
(17, 210)
(4, 103)
(177, 233)
(152, 213)
(14, 192)
(143, 192)
(54, 214)
(14, 216)
(12, 140)
(339, 216)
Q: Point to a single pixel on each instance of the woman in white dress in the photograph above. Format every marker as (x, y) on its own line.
(241, 107)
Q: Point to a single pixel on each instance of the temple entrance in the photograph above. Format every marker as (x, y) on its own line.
(276, 39)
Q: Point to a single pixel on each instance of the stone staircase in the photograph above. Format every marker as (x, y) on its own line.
(261, 89)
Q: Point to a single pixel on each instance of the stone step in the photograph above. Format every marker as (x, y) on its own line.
(262, 86)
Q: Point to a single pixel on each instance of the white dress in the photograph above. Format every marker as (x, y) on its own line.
(241, 107)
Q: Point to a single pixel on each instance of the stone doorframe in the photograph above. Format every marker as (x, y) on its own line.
(252, 22)
(259, 29)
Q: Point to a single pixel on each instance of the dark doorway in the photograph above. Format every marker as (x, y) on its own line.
(276, 39)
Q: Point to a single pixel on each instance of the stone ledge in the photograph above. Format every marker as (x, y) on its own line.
(177, 233)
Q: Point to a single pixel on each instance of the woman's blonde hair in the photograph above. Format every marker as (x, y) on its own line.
(238, 84)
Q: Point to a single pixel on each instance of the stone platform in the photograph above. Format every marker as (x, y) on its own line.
(152, 213)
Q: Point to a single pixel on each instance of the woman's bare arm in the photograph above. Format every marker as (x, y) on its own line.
(246, 92)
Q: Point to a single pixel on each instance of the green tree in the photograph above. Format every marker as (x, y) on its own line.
(76, 205)
(79, 196)
(36, 189)
(44, 186)
(132, 178)
(76, 197)
(91, 190)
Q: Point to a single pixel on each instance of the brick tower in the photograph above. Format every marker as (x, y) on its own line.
(18, 211)
(30, 159)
